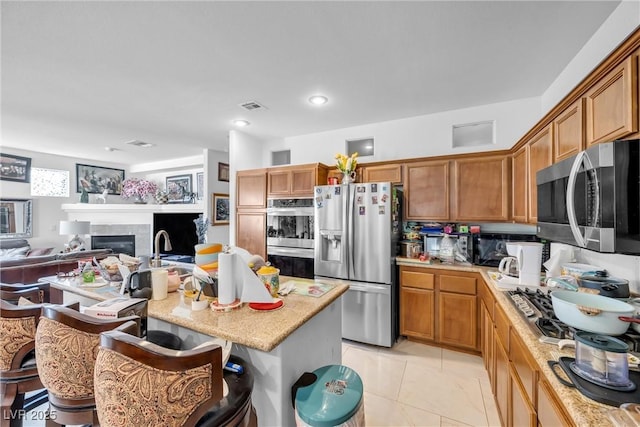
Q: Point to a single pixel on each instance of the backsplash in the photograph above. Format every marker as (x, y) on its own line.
(622, 266)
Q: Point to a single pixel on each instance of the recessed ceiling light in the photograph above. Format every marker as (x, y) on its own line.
(110, 149)
(318, 100)
(241, 123)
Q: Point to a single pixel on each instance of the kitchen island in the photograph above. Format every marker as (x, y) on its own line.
(280, 345)
(523, 376)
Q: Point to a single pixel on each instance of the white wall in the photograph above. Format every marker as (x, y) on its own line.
(245, 152)
(219, 233)
(46, 210)
(422, 136)
(620, 24)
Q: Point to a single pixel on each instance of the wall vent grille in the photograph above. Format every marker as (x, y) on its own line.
(252, 106)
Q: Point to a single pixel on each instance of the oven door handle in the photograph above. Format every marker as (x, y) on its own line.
(291, 252)
(289, 211)
(570, 202)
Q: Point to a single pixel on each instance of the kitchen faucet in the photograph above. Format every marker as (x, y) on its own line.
(157, 262)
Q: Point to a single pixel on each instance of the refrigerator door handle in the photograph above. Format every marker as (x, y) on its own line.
(378, 289)
(350, 234)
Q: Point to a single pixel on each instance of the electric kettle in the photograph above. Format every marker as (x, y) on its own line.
(138, 284)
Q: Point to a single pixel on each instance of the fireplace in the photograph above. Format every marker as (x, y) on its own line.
(124, 243)
(181, 229)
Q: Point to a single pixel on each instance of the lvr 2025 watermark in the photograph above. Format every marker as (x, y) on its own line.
(34, 415)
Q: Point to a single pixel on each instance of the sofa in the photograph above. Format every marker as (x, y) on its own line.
(19, 263)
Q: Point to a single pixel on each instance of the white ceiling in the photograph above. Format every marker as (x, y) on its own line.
(78, 76)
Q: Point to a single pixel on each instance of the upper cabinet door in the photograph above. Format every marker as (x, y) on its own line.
(383, 173)
(540, 156)
(568, 131)
(279, 183)
(482, 188)
(520, 185)
(612, 104)
(426, 191)
(295, 181)
(302, 182)
(251, 189)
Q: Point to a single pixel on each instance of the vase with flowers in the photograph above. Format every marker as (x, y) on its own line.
(139, 189)
(347, 165)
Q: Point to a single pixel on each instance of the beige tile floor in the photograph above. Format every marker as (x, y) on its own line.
(414, 384)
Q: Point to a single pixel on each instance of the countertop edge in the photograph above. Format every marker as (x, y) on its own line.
(266, 346)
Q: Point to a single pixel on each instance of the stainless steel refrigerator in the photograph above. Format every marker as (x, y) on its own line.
(357, 227)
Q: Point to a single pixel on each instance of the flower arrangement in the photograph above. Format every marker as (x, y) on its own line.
(345, 164)
(139, 188)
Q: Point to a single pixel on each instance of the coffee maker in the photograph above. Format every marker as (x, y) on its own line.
(524, 262)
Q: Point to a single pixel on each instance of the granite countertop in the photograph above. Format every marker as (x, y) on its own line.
(583, 410)
(262, 330)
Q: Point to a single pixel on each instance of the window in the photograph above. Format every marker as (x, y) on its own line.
(49, 182)
(473, 134)
(364, 147)
(279, 158)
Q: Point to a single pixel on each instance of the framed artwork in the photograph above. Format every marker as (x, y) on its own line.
(179, 189)
(96, 179)
(200, 185)
(15, 168)
(220, 209)
(223, 172)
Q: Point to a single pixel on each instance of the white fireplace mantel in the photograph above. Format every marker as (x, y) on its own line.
(122, 213)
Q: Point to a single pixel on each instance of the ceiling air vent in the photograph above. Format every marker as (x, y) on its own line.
(138, 143)
(252, 106)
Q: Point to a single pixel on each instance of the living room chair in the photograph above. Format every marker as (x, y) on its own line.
(13, 287)
(67, 344)
(164, 387)
(12, 295)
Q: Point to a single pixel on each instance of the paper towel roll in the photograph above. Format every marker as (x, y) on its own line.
(226, 283)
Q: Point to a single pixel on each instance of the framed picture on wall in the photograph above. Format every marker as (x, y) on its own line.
(15, 168)
(200, 185)
(220, 208)
(223, 172)
(179, 188)
(96, 179)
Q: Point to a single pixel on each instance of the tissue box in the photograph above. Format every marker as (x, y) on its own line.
(118, 307)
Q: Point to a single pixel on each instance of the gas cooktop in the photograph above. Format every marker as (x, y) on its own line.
(537, 308)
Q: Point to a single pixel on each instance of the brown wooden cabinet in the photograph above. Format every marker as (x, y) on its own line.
(612, 104)
(426, 191)
(383, 173)
(457, 310)
(520, 185)
(251, 189)
(295, 181)
(501, 379)
(417, 303)
(550, 412)
(439, 306)
(523, 366)
(250, 232)
(568, 131)
(540, 156)
(487, 337)
(521, 411)
(482, 188)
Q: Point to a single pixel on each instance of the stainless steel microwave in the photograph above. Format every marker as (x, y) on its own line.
(592, 200)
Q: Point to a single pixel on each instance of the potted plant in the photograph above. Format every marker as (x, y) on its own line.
(138, 188)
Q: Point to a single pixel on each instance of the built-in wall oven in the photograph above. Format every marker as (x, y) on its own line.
(290, 228)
